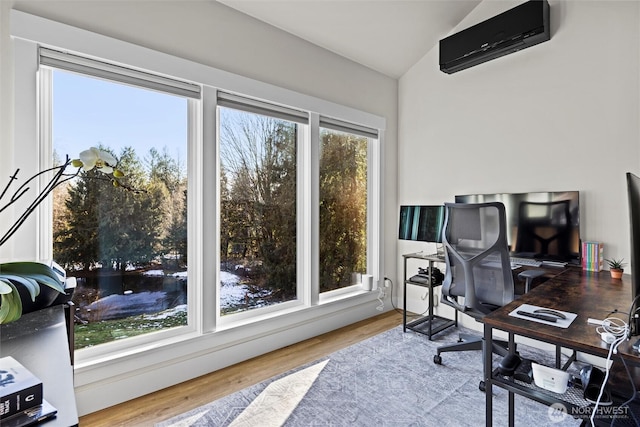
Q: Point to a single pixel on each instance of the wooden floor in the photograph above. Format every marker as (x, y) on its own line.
(163, 404)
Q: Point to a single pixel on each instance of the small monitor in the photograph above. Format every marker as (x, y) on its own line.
(421, 223)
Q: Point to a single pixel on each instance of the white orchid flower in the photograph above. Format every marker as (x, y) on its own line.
(99, 159)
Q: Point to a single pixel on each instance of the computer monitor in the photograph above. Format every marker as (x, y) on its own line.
(540, 225)
(421, 223)
(633, 191)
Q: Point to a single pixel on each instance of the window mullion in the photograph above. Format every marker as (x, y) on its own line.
(208, 212)
(374, 210)
(313, 207)
(195, 193)
(45, 218)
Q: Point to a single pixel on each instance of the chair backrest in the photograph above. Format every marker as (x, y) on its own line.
(544, 228)
(477, 257)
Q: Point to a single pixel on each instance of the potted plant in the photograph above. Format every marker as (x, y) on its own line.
(30, 286)
(616, 267)
(26, 287)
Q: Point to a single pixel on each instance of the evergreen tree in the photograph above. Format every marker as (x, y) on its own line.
(77, 243)
(109, 226)
(166, 173)
(175, 241)
(343, 215)
(130, 223)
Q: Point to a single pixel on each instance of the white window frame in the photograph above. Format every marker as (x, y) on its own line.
(29, 31)
(255, 314)
(45, 87)
(373, 200)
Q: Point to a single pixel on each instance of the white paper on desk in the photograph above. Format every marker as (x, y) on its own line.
(560, 323)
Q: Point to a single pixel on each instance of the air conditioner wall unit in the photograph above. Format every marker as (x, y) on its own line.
(519, 28)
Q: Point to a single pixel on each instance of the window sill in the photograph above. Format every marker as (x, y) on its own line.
(339, 294)
(231, 333)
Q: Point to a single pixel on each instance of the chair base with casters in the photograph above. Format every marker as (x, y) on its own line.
(467, 342)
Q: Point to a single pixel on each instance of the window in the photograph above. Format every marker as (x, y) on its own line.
(282, 197)
(127, 249)
(343, 208)
(258, 215)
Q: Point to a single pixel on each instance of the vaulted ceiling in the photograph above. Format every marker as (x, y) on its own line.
(389, 36)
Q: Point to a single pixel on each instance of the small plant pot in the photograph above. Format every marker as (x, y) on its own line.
(616, 273)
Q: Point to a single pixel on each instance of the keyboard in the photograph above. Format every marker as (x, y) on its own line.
(529, 262)
(561, 264)
(498, 265)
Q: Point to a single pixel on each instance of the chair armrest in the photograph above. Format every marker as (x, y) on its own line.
(528, 276)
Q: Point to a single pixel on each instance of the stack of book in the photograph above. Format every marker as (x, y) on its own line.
(21, 396)
(592, 256)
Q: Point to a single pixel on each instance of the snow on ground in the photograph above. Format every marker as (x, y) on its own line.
(153, 273)
(228, 278)
(232, 293)
(131, 304)
(182, 308)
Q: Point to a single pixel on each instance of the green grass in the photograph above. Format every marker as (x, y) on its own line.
(105, 331)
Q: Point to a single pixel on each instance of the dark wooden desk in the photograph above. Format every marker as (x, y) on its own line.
(39, 341)
(589, 295)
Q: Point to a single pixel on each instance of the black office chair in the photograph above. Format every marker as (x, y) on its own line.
(478, 279)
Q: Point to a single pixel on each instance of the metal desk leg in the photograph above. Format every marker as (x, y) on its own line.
(488, 368)
(404, 298)
(430, 297)
(69, 312)
(512, 349)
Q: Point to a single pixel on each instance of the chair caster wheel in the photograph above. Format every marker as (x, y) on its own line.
(437, 359)
(482, 387)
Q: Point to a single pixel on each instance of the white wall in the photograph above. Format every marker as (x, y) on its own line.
(562, 115)
(6, 96)
(214, 35)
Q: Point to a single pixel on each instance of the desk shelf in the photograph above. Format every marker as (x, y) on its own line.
(572, 398)
(430, 324)
(576, 405)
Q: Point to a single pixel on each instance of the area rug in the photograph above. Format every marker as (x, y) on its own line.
(387, 380)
